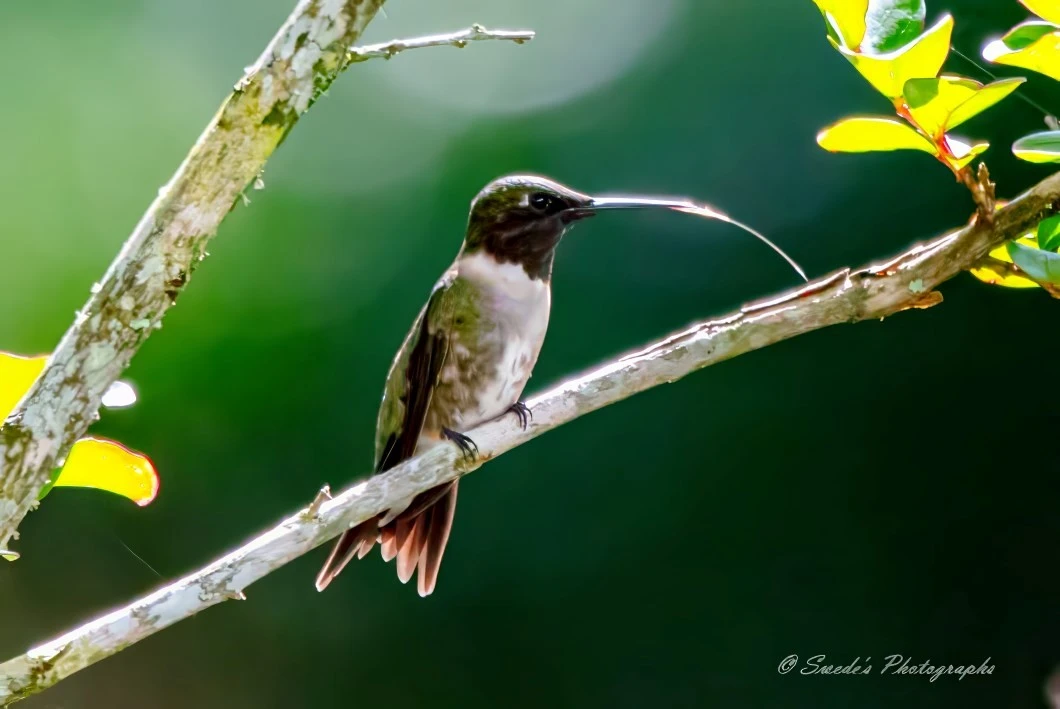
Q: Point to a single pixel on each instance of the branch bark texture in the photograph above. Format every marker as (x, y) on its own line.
(846, 296)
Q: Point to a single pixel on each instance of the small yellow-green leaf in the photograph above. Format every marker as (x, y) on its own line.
(920, 59)
(983, 99)
(931, 101)
(988, 275)
(107, 465)
(1038, 147)
(846, 18)
(1045, 9)
(1049, 233)
(17, 375)
(861, 134)
(1042, 266)
(1032, 45)
(961, 153)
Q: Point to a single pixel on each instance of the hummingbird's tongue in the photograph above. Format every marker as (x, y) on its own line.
(703, 210)
(689, 207)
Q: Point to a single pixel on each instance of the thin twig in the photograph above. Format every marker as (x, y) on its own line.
(875, 291)
(310, 50)
(982, 189)
(475, 33)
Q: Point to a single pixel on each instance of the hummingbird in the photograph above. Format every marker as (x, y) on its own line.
(468, 356)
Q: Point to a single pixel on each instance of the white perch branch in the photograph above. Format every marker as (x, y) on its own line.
(475, 33)
(312, 47)
(846, 296)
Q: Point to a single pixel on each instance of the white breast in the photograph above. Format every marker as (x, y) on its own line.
(519, 308)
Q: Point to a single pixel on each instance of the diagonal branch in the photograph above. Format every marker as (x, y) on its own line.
(311, 48)
(847, 296)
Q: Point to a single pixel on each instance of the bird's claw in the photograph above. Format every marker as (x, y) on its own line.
(467, 446)
(523, 413)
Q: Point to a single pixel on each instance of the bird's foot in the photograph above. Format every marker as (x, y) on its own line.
(522, 412)
(464, 443)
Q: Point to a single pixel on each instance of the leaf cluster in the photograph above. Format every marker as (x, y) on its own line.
(889, 44)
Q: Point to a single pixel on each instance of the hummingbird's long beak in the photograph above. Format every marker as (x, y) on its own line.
(592, 205)
(597, 203)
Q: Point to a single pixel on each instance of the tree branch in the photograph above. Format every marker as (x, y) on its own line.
(475, 33)
(306, 55)
(847, 296)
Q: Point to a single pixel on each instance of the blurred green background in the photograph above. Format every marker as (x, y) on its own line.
(861, 491)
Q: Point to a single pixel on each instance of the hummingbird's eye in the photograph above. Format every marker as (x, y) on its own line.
(541, 201)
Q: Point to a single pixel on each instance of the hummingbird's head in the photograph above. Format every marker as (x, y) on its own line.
(521, 219)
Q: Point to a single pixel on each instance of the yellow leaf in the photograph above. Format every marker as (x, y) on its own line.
(992, 277)
(847, 18)
(931, 101)
(1045, 9)
(17, 375)
(984, 98)
(939, 105)
(920, 59)
(861, 134)
(92, 462)
(106, 465)
(1042, 55)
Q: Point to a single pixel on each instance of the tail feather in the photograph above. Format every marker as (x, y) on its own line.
(439, 524)
(416, 538)
(348, 546)
(388, 543)
(409, 553)
(365, 547)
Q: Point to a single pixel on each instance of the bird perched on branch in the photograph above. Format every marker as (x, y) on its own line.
(469, 355)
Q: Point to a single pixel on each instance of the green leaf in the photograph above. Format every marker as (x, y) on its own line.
(1046, 9)
(1049, 233)
(938, 105)
(1025, 34)
(861, 134)
(892, 24)
(1038, 147)
(1043, 266)
(845, 20)
(988, 275)
(52, 477)
(920, 59)
(1032, 45)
